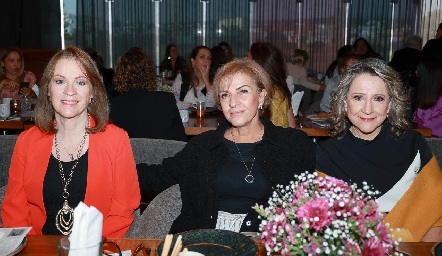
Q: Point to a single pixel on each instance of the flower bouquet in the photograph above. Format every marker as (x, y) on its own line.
(317, 216)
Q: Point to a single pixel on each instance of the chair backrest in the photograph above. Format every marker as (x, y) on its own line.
(2, 195)
(156, 220)
(7, 144)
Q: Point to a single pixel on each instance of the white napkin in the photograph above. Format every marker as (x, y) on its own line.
(296, 101)
(87, 229)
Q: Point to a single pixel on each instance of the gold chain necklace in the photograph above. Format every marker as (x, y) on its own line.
(249, 177)
(64, 219)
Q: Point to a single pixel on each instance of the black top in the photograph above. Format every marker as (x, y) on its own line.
(53, 189)
(405, 62)
(433, 48)
(235, 194)
(145, 114)
(381, 162)
(281, 153)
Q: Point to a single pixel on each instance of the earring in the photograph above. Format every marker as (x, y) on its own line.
(260, 106)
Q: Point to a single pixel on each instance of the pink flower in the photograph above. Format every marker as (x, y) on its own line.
(317, 212)
(373, 246)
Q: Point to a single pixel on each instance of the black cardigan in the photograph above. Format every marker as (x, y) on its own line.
(147, 114)
(282, 153)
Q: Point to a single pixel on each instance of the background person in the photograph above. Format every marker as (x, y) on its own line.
(172, 63)
(195, 85)
(227, 50)
(106, 73)
(429, 95)
(433, 47)
(72, 154)
(269, 57)
(372, 143)
(223, 173)
(364, 49)
(343, 63)
(140, 110)
(13, 73)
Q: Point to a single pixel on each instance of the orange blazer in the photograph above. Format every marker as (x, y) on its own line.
(112, 180)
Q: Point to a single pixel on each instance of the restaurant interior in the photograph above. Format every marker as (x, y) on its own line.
(40, 28)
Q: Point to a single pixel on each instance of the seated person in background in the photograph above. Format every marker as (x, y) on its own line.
(364, 49)
(106, 73)
(269, 57)
(140, 110)
(373, 143)
(434, 46)
(429, 95)
(173, 63)
(296, 69)
(343, 63)
(195, 85)
(405, 60)
(333, 69)
(218, 59)
(223, 173)
(72, 154)
(227, 50)
(12, 74)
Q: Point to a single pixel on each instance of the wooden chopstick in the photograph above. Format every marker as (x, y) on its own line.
(166, 246)
(177, 247)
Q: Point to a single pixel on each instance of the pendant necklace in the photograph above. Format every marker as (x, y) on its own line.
(64, 219)
(249, 177)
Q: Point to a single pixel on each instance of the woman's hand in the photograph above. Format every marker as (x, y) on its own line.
(8, 84)
(205, 77)
(26, 91)
(30, 77)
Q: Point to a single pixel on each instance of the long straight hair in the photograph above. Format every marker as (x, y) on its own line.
(429, 82)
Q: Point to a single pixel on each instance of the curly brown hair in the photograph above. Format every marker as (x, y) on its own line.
(135, 70)
(225, 74)
(98, 109)
(398, 99)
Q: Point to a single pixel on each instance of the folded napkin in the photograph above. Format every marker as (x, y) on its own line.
(296, 101)
(87, 229)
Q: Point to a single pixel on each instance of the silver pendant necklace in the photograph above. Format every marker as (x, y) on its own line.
(249, 177)
(64, 219)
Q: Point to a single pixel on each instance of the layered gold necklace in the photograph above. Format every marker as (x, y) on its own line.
(64, 219)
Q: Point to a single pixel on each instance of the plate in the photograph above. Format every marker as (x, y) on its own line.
(208, 110)
(214, 242)
(20, 247)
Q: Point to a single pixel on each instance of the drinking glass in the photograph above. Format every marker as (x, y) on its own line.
(64, 249)
(200, 107)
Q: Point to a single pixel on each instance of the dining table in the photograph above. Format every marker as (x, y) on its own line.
(43, 245)
(305, 122)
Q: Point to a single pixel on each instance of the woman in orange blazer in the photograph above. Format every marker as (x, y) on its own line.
(72, 154)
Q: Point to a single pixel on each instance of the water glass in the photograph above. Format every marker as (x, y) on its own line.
(64, 249)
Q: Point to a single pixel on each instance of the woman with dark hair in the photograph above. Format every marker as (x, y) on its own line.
(364, 49)
(271, 59)
(372, 144)
(219, 58)
(429, 95)
(12, 74)
(135, 78)
(72, 154)
(173, 62)
(333, 69)
(227, 51)
(195, 85)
